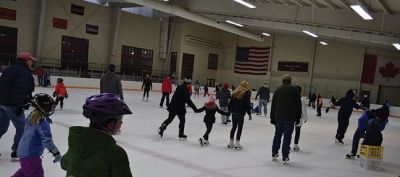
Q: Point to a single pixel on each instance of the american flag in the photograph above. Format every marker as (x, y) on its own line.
(253, 61)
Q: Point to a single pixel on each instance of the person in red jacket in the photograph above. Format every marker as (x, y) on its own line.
(166, 89)
(60, 92)
(190, 89)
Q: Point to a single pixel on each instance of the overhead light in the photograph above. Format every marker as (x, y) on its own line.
(323, 43)
(265, 34)
(166, 0)
(234, 23)
(361, 11)
(397, 45)
(310, 33)
(245, 4)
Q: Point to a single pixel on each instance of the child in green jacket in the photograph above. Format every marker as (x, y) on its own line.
(92, 151)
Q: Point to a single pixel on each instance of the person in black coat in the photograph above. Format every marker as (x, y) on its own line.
(16, 87)
(365, 104)
(346, 109)
(146, 87)
(177, 107)
(209, 119)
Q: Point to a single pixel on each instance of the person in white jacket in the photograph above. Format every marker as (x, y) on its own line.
(303, 119)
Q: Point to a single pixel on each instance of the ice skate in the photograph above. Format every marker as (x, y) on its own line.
(182, 137)
(238, 146)
(285, 160)
(160, 130)
(147, 99)
(206, 143)
(230, 145)
(296, 147)
(201, 141)
(228, 120)
(339, 141)
(14, 156)
(350, 156)
(275, 156)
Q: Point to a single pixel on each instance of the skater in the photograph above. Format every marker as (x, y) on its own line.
(92, 150)
(206, 91)
(239, 104)
(146, 87)
(313, 100)
(365, 102)
(60, 93)
(36, 137)
(224, 96)
(166, 89)
(39, 73)
(373, 135)
(263, 92)
(217, 90)
(303, 119)
(177, 108)
(381, 114)
(319, 104)
(285, 113)
(110, 83)
(197, 88)
(346, 109)
(16, 87)
(209, 119)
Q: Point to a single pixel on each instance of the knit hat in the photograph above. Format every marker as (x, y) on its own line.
(211, 102)
(187, 80)
(382, 112)
(111, 67)
(226, 86)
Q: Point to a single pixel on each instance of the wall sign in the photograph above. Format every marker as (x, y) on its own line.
(293, 66)
(92, 29)
(60, 23)
(76, 9)
(8, 14)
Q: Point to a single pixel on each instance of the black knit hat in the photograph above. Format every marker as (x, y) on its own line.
(111, 67)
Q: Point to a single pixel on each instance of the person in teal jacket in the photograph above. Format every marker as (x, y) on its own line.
(92, 151)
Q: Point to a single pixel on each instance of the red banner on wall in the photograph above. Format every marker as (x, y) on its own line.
(8, 14)
(60, 23)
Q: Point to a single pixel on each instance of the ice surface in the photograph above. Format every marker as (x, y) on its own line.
(151, 156)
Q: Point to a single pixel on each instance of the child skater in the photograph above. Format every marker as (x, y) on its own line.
(36, 137)
(302, 119)
(60, 92)
(92, 150)
(209, 119)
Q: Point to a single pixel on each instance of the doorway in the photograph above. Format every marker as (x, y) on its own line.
(8, 45)
(187, 65)
(74, 53)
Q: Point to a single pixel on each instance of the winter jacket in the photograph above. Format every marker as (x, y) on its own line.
(365, 103)
(263, 92)
(346, 105)
(60, 90)
(93, 153)
(110, 83)
(319, 101)
(147, 84)
(286, 104)
(224, 96)
(205, 88)
(373, 135)
(179, 99)
(16, 85)
(166, 85)
(35, 139)
(303, 112)
(240, 106)
(210, 113)
(190, 89)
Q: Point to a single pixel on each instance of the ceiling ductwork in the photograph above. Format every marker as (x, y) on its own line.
(178, 11)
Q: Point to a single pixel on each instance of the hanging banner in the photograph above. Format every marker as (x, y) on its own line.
(379, 70)
(8, 14)
(76, 9)
(293, 66)
(92, 29)
(60, 23)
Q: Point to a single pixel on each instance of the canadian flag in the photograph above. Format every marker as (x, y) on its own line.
(379, 70)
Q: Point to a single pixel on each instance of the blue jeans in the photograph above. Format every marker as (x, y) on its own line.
(262, 103)
(7, 113)
(284, 128)
(356, 139)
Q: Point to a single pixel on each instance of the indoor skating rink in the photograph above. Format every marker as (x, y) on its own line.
(152, 156)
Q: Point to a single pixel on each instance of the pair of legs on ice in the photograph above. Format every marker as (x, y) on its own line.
(61, 100)
(284, 128)
(343, 123)
(146, 92)
(7, 114)
(165, 95)
(224, 118)
(237, 123)
(262, 103)
(181, 126)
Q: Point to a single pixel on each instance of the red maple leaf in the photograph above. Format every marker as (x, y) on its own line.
(389, 71)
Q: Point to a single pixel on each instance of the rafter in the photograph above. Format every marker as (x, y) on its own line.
(331, 4)
(346, 4)
(283, 2)
(316, 4)
(385, 7)
(365, 5)
(298, 3)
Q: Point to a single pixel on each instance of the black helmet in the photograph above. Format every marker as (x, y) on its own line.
(60, 80)
(44, 104)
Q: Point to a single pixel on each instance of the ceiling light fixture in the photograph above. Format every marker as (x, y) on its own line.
(397, 45)
(265, 34)
(323, 43)
(310, 33)
(361, 11)
(245, 4)
(234, 23)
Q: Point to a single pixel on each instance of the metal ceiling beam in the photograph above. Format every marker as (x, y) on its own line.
(346, 4)
(365, 6)
(331, 4)
(298, 3)
(385, 7)
(283, 2)
(316, 4)
(276, 2)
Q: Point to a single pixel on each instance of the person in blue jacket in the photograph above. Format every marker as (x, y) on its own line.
(363, 123)
(36, 137)
(16, 87)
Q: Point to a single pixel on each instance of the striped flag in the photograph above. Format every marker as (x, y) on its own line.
(253, 61)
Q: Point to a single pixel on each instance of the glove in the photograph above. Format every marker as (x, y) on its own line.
(66, 95)
(327, 110)
(250, 117)
(297, 122)
(57, 155)
(54, 94)
(273, 121)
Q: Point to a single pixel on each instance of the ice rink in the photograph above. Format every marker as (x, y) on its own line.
(152, 156)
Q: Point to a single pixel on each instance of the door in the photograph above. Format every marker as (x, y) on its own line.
(74, 53)
(172, 65)
(187, 65)
(8, 44)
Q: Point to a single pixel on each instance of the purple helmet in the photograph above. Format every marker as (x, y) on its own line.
(102, 107)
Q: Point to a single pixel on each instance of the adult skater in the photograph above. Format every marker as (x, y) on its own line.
(177, 108)
(206, 91)
(365, 104)
(16, 87)
(319, 104)
(146, 87)
(239, 104)
(110, 83)
(303, 119)
(263, 92)
(197, 88)
(166, 89)
(285, 113)
(346, 104)
(224, 96)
